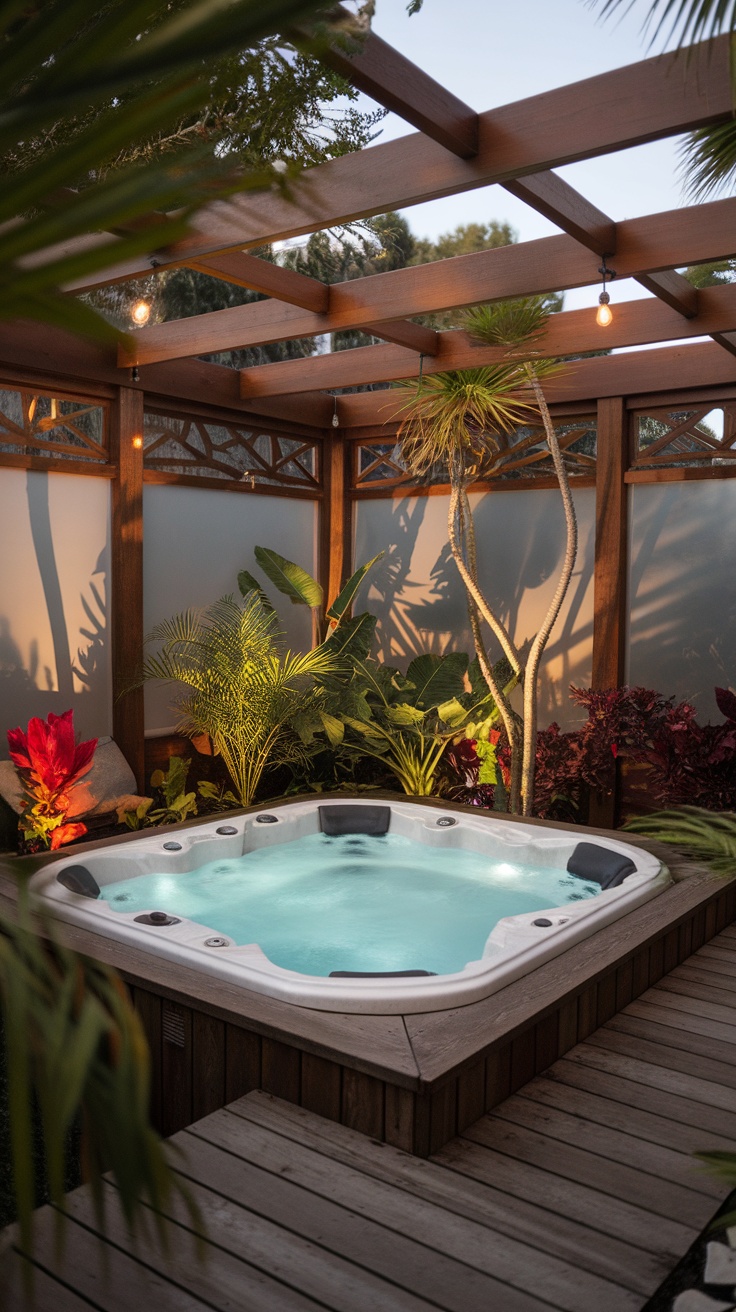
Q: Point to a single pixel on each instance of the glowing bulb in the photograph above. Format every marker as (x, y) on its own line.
(137, 443)
(140, 313)
(604, 315)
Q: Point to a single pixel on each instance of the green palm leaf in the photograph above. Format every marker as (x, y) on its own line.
(708, 836)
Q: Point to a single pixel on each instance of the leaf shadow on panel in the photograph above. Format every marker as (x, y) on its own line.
(682, 601)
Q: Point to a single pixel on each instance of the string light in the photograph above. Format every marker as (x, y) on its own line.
(140, 313)
(335, 420)
(137, 443)
(604, 314)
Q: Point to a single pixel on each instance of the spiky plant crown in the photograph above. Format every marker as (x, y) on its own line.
(454, 420)
(517, 327)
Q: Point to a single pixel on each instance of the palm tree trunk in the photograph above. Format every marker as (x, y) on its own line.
(461, 528)
(540, 641)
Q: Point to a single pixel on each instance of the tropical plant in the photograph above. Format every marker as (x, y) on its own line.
(708, 154)
(236, 687)
(454, 422)
(76, 1048)
(302, 589)
(175, 804)
(706, 836)
(49, 762)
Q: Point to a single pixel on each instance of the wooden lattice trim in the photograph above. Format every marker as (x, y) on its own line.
(686, 440)
(34, 435)
(528, 452)
(189, 446)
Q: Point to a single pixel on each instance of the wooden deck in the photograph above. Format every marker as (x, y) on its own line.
(577, 1192)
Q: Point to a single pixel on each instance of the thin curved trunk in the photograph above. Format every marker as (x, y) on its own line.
(460, 515)
(540, 641)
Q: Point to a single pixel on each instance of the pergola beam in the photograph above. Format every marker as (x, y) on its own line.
(395, 82)
(643, 102)
(571, 333)
(645, 245)
(671, 368)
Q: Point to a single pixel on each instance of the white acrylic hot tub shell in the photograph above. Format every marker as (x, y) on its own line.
(514, 946)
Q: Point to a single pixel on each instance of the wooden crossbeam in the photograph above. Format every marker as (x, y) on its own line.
(571, 333)
(271, 279)
(643, 102)
(659, 241)
(726, 340)
(395, 82)
(550, 195)
(308, 293)
(671, 368)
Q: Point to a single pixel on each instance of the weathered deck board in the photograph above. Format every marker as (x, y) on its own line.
(579, 1191)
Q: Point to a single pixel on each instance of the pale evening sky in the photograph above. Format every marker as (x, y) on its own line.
(490, 53)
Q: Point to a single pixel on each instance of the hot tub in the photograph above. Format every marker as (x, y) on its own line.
(355, 906)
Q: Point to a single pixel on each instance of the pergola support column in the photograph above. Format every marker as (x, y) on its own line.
(335, 540)
(126, 615)
(611, 566)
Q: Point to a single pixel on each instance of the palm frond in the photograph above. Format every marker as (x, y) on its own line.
(708, 161)
(708, 836)
(687, 20)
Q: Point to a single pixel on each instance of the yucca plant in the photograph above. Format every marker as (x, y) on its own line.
(455, 422)
(236, 686)
(518, 326)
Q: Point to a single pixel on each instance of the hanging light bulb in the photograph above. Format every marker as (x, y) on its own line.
(335, 420)
(604, 314)
(140, 313)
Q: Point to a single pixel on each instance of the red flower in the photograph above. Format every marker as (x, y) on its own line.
(47, 757)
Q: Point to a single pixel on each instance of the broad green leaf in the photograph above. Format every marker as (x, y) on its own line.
(291, 579)
(248, 584)
(343, 602)
(452, 712)
(351, 641)
(334, 728)
(437, 678)
(404, 715)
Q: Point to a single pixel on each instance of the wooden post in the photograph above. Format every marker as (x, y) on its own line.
(611, 560)
(336, 515)
(126, 617)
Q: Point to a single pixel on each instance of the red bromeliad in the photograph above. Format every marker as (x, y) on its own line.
(49, 762)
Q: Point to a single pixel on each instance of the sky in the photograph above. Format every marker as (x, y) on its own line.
(493, 52)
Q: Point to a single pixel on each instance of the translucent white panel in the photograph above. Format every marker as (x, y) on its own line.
(682, 600)
(420, 601)
(196, 540)
(54, 586)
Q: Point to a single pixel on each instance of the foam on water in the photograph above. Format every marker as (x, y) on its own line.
(354, 903)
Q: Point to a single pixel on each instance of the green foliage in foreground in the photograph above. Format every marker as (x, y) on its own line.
(75, 1044)
(708, 836)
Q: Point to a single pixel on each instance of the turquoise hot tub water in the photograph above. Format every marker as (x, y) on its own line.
(356, 903)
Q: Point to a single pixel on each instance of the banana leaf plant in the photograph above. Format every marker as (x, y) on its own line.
(408, 721)
(294, 582)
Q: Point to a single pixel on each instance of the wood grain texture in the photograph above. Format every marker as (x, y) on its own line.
(126, 578)
(642, 102)
(573, 332)
(611, 545)
(645, 245)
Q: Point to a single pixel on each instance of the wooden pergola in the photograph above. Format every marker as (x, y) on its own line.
(453, 150)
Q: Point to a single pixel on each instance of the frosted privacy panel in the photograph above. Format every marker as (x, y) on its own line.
(195, 542)
(682, 598)
(419, 599)
(54, 585)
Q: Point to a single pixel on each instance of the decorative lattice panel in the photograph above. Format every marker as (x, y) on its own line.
(66, 428)
(684, 435)
(521, 455)
(196, 447)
